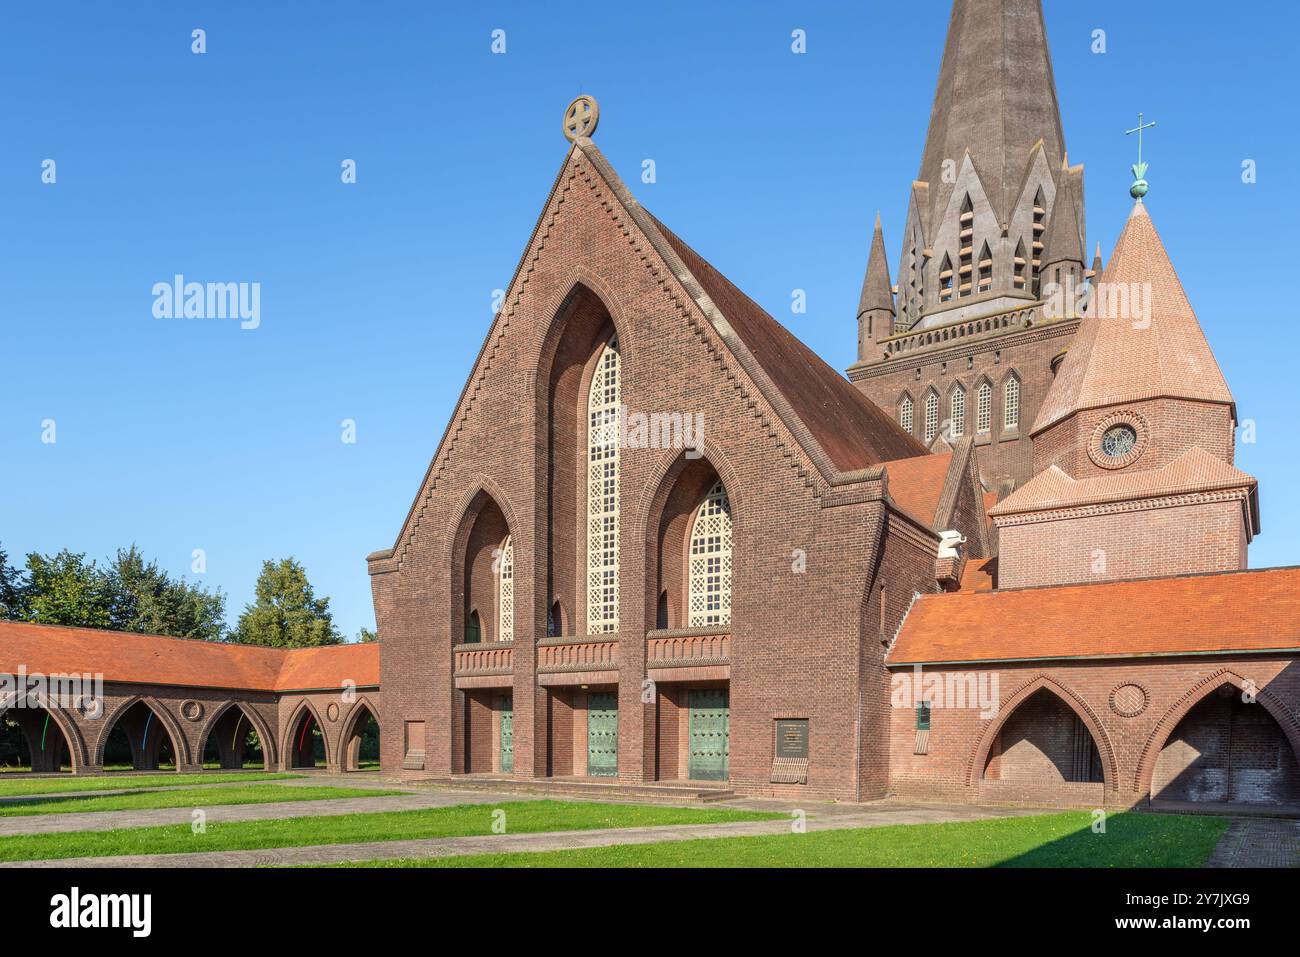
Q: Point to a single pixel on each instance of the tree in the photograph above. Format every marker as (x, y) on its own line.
(11, 589)
(143, 598)
(65, 589)
(286, 612)
(365, 635)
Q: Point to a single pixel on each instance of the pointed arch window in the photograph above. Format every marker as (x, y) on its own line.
(945, 279)
(602, 492)
(1040, 226)
(506, 593)
(984, 408)
(957, 412)
(473, 629)
(905, 414)
(931, 417)
(709, 600)
(1018, 265)
(966, 246)
(985, 266)
(1011, 403)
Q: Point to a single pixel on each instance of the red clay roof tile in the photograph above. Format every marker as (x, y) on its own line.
(155, 659)
(1218, 613)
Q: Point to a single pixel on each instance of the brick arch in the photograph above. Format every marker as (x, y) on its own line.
(1159, 736)
(180, 746)
(348, 726)
(1009, 706)
(304, 706)
(72, 736)
(580, 279)
(269, 744)
(654, 498)
(483, 493)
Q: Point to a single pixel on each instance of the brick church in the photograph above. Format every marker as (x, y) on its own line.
(1004, 559)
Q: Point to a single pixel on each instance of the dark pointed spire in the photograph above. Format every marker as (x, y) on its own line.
(1063, 242)
(1096, 264)
(876, 289)
(996, 97)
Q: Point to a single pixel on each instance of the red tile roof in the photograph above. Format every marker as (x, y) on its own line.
(154, 659)
(852, 430)
(1196, 614)
(916, 485)
(1194, 471)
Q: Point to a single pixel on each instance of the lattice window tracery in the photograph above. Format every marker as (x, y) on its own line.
(709, 599)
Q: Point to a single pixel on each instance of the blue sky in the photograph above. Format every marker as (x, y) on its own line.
(225, 166)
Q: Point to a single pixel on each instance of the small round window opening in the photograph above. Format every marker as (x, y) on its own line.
(1118, 441)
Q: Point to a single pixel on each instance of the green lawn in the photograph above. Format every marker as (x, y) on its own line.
(181, 797)
(119, 782)
(459, 821)
(1050, 840)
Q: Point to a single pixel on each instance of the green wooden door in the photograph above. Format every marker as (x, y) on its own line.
(507, 709)
(602, 734)
(710, 728)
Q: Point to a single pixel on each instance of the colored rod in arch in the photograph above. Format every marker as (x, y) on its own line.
(144, 738)
(44, 729)
(235, 737)
(306, 724)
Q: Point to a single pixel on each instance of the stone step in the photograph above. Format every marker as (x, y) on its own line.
(587, 788)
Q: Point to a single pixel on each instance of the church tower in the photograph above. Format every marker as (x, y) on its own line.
(995, 218)
(1134, 443)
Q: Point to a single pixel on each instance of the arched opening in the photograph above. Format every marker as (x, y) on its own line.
(361, 740)
(483, 561)
(307, 742)
(139, 741)
(555, 620)
(581, 367)
(233, 742)
(1227, 750)
(31, 740)
(693, 563)
(1044, 743)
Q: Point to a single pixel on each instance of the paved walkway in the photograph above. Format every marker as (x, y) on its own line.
(820, 817)
(155, 817)
(1258, 842)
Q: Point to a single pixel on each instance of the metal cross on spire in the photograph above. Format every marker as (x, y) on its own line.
(1140, 186)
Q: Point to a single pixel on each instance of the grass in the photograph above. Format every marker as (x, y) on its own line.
(1050, 840)
(182, 797)
(458, 821)
(12, 788)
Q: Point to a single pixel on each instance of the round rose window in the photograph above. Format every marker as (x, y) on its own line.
(1118, 441)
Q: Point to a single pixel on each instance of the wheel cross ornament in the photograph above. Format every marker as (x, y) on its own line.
(581, 117)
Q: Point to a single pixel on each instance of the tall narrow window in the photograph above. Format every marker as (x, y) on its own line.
(602, 493)
(473, 631)
(1011, 403)
(985, 269)
(1018, 265)
(1040, 226)
(905, 414)
(984, 408)
(506, 593)
(957, 413)
(710, 562)
(945, 279)
(966, 247)
(931, 417)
